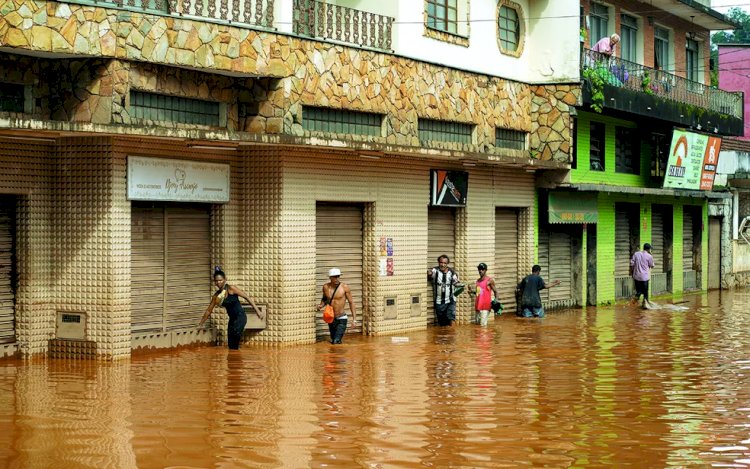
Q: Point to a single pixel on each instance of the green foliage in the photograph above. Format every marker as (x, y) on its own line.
(740, 35)
(596, 79)
(646, 83)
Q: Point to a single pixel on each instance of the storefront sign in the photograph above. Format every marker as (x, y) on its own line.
(692, 161)
(573, 207)
(448, 188)
(177, 180)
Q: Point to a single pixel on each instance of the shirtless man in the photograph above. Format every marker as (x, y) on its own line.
(341, 294)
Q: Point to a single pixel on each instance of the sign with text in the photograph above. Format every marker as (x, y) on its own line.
(692, 162)
(177, 180)
(448, 188)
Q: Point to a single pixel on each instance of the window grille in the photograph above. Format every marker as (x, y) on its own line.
(146, 106)
(510, 139)
(443, 15)
(12, 97)
(596, 146)
(509, 28)
(445, 131)
(627, 155)
(341, 121)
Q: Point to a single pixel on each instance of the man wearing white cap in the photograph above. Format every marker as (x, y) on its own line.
(337, 294)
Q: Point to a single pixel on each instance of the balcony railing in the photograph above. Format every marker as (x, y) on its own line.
(317, 19)
(238, 12)
(617, 72)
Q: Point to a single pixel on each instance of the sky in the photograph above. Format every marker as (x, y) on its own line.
(724, 5)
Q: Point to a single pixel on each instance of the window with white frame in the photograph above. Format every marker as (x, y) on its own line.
(692, 56)
(661, 48)
(598, 22)
(443, 15)
(629, 37)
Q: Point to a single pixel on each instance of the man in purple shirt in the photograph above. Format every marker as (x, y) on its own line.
(640, 267)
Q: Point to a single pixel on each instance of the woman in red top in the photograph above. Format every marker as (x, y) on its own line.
(483, 299)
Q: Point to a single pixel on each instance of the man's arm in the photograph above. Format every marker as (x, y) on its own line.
(322, 299)
(491, 284)
(349, 298)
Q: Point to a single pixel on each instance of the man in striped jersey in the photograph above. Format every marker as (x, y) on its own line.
(444, 281)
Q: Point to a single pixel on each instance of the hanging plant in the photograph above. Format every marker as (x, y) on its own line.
(596, 80)
(646, 83)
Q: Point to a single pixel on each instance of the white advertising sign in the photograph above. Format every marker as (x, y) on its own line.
(177, 180)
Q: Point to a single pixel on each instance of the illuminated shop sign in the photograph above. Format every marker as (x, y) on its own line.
(177, 180)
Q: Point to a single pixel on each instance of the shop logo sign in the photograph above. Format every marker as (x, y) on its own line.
(161, 179)
(692, 161)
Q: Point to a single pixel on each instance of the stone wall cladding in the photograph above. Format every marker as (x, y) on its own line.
(310, 72)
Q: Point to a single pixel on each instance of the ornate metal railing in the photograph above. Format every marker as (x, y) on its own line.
(614, 71)
(239, 12)
(317, 19)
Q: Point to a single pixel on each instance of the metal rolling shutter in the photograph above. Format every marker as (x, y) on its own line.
(169, 243)
(7, 249)
(622, 244)
(441, 239)
(188, 265)
(543, 255)
(560, 268)
(506, 256)
(687, 241)
(657, 240)
(338, 243)
(147, 268)
(555, 257)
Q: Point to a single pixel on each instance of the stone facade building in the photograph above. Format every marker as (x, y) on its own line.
(289, 136)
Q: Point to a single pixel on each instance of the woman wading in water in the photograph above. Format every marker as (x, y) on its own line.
(228, 296)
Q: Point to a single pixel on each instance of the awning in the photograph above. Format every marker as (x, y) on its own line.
(606, 188)
(573, 207)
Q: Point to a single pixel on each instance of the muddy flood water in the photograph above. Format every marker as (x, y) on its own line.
(606, 387)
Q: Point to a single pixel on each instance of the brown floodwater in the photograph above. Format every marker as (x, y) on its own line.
(604, 387)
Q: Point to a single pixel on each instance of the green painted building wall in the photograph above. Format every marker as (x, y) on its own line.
(605, 235)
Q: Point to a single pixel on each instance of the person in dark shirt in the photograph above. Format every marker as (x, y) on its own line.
(529, 288)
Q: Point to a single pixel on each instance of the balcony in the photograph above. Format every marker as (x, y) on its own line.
(620, 85)
(244, 13)
(313, 18)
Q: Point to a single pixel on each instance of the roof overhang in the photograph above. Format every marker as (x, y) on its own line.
(696, 12)
(650, 191)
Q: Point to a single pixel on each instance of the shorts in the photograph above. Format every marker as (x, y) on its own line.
(445, 313)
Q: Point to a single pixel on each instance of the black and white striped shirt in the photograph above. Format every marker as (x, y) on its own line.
(443, 285)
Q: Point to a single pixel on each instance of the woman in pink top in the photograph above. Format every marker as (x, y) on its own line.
(483, 300)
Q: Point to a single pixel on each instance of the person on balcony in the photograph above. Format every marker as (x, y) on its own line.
(607, 45)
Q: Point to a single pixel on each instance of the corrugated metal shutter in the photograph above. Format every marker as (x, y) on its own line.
(657, 240)
(514, 188)
(188, 265)
(7, 249)
(171, 241)
(338, 243)
(506, 256)
(555, 258)
(622, 244)
(687, 241)
(147, 268)
(441, 239)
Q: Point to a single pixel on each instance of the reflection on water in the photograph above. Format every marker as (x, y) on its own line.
(613, 386)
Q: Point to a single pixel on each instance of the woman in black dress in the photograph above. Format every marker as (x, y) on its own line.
(228, 296)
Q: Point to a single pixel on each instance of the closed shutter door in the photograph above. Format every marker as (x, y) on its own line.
(441, 239)
(657, 240)
(543, 255)
(687, 241)
(338, 243)
(169, 241)
(559, 268)
(7, 249)
(188, 265)
(622, 244)
(506, 256)
(147, 268)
